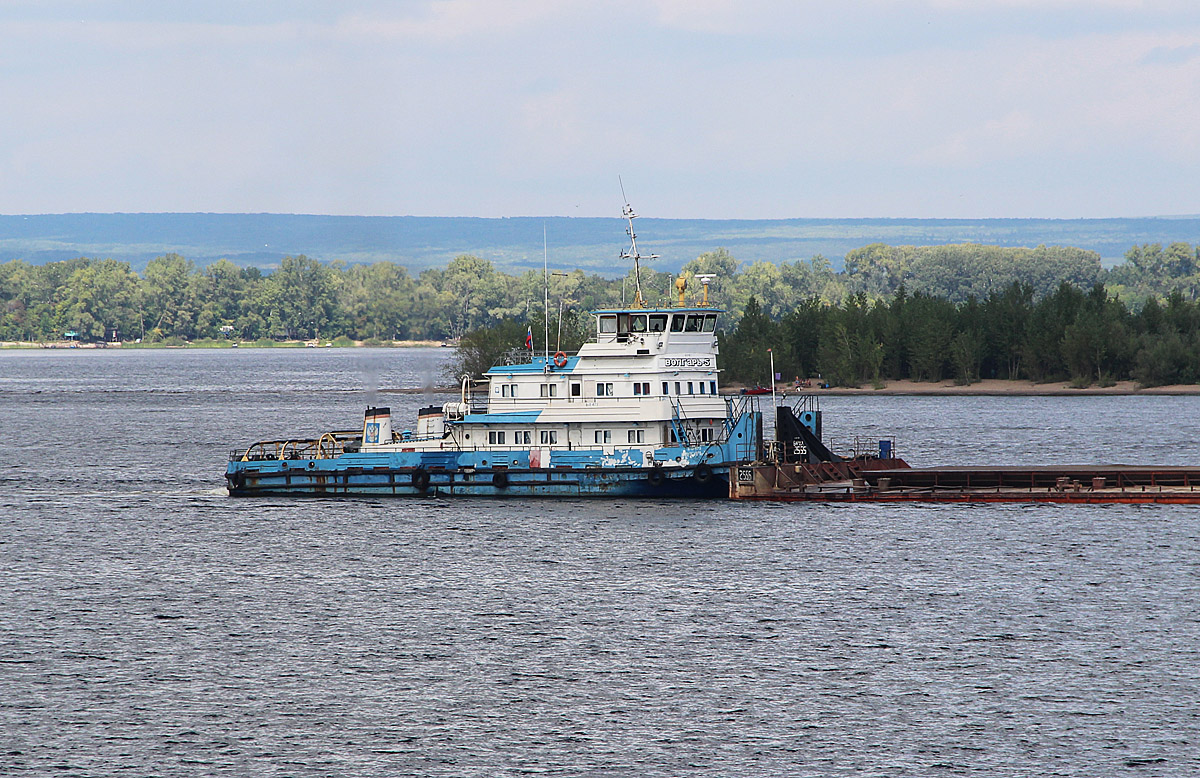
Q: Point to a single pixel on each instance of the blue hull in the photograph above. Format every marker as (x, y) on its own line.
(690, 472)
(324, 478)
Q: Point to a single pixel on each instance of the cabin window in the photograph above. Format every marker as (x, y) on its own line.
(637, 436)
(702, 387)
(608, 324)
(646, 387)
(666, 388)
(671, 435)
(549, 437)
(523, 438)
(710, 322)
(604, 389)
(637, 388)
(712, 387)
(496, 437)
(604, 436)
(549, 390)
(706, 433)
(690, 388)
(641, 387)
(658, 322)
(677, 388)
(695, 322)
(576, 390)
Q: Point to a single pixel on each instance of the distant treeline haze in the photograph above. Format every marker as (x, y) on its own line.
(966, 310)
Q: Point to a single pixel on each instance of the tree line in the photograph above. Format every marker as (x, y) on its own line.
(1084, 336)
(175, 301)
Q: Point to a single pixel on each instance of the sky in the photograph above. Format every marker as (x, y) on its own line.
(708, 109)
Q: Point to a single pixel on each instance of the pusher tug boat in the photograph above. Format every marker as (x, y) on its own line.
(635, 413)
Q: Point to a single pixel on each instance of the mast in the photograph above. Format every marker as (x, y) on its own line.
(774, 403)
(632, 253)
(546, 290)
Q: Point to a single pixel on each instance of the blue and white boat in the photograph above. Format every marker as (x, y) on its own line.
(637, 412)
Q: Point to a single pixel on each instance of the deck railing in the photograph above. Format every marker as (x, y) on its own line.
(328, 446)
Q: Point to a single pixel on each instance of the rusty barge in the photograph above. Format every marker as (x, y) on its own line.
(797, 466)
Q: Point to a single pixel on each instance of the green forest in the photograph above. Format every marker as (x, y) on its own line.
(1086, 337)
(962, 311)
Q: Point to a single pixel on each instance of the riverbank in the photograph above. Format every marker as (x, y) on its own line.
(993, 387)
(339, 343)
(996, 387)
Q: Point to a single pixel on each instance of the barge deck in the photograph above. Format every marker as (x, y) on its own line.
(797, 467)
(891, 481)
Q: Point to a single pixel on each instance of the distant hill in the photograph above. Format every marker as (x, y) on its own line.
(591, 244)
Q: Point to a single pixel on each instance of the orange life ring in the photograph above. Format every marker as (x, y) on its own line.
(560, 359)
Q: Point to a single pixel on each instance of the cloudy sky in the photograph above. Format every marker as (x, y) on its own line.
(705, 108)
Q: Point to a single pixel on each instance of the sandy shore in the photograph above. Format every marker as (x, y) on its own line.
(13, 344)
(993, 387)
(999, 388)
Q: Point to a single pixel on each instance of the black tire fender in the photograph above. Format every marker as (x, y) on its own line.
(500, 479)
(656, 477)
(703, 473)
(420, 479)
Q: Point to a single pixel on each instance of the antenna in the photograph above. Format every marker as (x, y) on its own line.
(632, 253)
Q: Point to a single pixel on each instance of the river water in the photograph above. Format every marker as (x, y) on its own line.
(151, 625)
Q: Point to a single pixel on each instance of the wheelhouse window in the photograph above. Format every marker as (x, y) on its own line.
(695, 322)
(677, 322)
(658, 322)
(710, 322)
(608, 324)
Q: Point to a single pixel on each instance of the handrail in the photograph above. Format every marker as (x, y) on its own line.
(328, 446)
